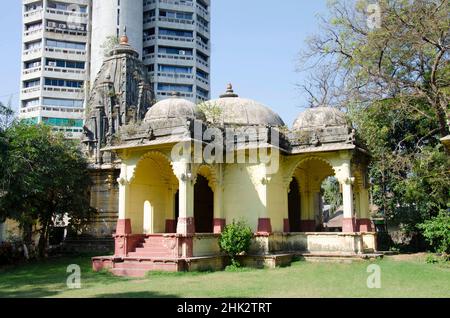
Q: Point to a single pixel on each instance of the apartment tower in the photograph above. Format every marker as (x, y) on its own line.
(65, 41)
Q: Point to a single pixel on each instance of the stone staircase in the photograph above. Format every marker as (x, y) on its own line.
(154, 253)
(154, 246)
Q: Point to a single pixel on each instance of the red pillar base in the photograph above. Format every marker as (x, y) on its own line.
(307, 226)
(349, 226)
(365, 225)
(219, 225)
(264, 226)
(171, 226)
(123, 227)
(186, 226)
(286, 226)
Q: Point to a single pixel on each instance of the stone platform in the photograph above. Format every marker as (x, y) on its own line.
(135, 255)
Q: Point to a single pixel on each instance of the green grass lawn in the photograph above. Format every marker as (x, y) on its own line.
(410, 277)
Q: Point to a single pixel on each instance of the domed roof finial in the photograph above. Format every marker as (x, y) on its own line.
(124, 37)
(229, 92)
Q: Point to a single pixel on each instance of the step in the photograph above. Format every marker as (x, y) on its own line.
(150, 255)
(130, 272)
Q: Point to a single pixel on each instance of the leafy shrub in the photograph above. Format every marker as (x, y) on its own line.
(437, 232)
(236, 240)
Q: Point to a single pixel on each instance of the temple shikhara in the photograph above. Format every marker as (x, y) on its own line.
(177, 173)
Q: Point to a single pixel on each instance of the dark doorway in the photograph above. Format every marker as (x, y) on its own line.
(294, 207)
(203, 206)
(177, 205)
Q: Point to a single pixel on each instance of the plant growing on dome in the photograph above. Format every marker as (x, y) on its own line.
(213, 112)
(236, 240)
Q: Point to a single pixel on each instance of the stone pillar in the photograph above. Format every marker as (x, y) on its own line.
(348, 223)
(286, 221)
(186, 224)
(264, 221)
(123, 223)
(307, 225)
(365, 223)
(219, 220)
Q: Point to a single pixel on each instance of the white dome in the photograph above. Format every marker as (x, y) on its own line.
(173, 108)
(320, 117)
(241, 111)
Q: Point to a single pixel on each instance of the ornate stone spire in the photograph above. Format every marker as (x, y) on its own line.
(229, 93)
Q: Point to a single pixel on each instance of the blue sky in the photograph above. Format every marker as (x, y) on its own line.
(255, 44)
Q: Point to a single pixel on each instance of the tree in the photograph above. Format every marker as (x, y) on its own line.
(109, 43)
(387, 64)
(405, 57)
(45, 178)
(6, 116)
(332, 193)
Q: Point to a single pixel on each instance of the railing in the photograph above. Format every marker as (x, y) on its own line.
(66, 31)
(202, 28)
(67, 13)
(32, 51)
(64, 70)
(203, 46)
(173, 75)
(202, 10)
(29, 14)
(63, 89)
(202, 80)
(65, 51)
(164, 94)
(203, 62)
(169, 38)
(31, 70)
(32, 32)
(170, 56)
(52, 109)
(29, 90)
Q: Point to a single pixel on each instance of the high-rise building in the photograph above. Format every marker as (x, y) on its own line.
(65, 41)
(55, 63)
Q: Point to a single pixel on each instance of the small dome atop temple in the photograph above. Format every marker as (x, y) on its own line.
(241, 111)
(320, 117)
(173, 108)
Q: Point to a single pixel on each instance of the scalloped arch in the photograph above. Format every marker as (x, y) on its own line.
(290, 174)
(166, 169)
(210, 173)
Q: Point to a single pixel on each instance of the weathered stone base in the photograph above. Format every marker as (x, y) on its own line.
(136, 255)
(139, 267)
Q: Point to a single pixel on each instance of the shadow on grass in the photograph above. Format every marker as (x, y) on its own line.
(48, 277)
(144, 294)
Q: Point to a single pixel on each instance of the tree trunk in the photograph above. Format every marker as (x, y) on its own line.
(43, 239)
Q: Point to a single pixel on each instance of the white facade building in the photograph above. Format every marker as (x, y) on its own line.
(64, 43)
(55, 63)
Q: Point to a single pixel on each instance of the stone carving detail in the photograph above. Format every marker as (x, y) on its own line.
(120, 96)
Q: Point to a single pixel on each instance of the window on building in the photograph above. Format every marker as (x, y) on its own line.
(63, 83)
(30, 103)
(32, 83)
(59, 102)
(174, 69)
(175, 50)
(174, 87)
(64, 63)
(66, 45)
(173, 32)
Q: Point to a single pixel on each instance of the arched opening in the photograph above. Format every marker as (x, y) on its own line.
(150, 195)
(203, 206)
(294, 203)
(308, 179)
